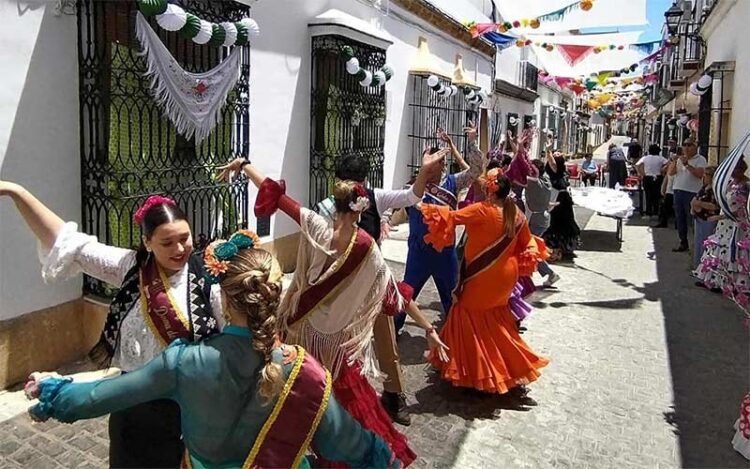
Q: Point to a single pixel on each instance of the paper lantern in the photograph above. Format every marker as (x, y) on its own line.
(692, 125)
(204, 35)
(432, 81)
(586, 5)
(231, 34)
(454, 90)
(218, 36)
(388, 71)
(347, 52)
(502, 29)
(192, 26)
(242, 38)
(378, 78)
(253, 30)
(152, 7)
(534, 23)
(173, 18)
(694, 89)
(352, 65)
(520, 43)
(367, 80)
(516, 24)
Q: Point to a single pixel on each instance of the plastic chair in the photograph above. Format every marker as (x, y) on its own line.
(573, 174)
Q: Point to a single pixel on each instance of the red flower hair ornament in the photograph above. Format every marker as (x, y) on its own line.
(150, 203)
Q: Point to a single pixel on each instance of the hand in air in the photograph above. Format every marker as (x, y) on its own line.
(224, 173)
(437, 347)
(8, 188)
(442, 135)
(471, 131)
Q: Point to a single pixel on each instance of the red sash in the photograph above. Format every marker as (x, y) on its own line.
(442, 195)
(484, 260)
(345, 266)
(160, 310)
(287, 433)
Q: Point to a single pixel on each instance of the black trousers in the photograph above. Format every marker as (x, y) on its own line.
(652, 191)
(589, 179)
(666, 211)
(147, 435)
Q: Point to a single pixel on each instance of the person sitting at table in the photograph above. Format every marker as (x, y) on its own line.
(589, 170)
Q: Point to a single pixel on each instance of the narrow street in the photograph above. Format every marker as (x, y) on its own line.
(646, 371)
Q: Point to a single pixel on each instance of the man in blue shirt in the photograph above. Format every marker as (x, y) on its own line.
(589, 170)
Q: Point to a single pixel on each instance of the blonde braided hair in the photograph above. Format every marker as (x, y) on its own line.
(252, 284)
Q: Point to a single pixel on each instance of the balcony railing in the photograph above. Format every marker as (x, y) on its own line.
(528, 76)
(686, 56)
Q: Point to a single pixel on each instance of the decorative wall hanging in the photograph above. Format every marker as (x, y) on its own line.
(192, 101)
(445, 91)
(365, 77)
(172, 17)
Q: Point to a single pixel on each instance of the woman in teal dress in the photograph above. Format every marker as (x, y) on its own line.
(246, 399)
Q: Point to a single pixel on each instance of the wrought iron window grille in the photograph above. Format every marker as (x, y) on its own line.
(429, 111)
(129, 150)
(345, 117)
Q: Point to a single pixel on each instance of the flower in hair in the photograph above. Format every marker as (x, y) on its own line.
(362, 201)
(218, 254)
(150, 203)
(492, 175)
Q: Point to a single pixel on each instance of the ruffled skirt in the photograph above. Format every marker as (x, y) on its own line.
(486, 351)
(355, 394)
(518, 306)
(741, 440)
(725, 263)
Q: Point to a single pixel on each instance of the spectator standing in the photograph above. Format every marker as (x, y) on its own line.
(651, 170)
(688, 172)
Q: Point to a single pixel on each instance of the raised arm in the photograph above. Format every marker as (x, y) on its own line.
(466, 178)
(442, 135)
(401, 198)
(45, 223)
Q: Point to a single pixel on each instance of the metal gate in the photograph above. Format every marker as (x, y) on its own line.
(129, 150)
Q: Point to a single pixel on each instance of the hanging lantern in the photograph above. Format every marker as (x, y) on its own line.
(520, 43)
(534, 23)
(586, 5)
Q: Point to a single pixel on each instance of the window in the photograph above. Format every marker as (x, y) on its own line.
(512, 123)
(347, 119)
(715, 112)
(430, 111)
(129, 150)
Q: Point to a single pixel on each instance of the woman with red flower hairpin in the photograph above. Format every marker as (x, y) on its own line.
(162, 297)
(487, 353)
(341, 285)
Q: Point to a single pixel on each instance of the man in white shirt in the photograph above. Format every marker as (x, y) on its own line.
(651, 170)
(688, 179)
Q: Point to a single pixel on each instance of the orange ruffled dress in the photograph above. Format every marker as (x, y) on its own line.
(486, 351)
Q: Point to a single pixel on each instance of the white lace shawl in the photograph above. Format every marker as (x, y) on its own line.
(340, 327)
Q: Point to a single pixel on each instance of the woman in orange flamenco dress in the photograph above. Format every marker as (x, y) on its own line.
(487, 353)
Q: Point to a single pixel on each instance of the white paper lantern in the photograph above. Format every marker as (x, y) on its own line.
(454, 90)
(367, 80)
(173, 19)
(694, 89)
(204, 35)
(432, 81)
(470, 95)
(352, 66)
(253, 30)
(231, 34)
(378, 78)
(482, 95)
(705, 81)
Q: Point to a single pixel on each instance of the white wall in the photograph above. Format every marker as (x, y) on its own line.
(38, 144)
(280, 88)
(726, 28)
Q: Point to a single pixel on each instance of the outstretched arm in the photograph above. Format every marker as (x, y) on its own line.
(45, 223)
(466, 178)
(442, 135)
(396, 199)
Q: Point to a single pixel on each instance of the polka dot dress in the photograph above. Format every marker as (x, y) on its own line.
(741, 440)
(726, 260)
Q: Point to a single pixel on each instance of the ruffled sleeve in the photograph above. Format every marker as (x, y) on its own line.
(533, 251)
(441, 231)
(397, 297)
(272, 197)
(74, 252)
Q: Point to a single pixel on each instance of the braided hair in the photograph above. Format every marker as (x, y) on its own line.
(252, 284)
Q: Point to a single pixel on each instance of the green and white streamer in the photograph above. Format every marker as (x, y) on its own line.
(365, 77)
(172, 17)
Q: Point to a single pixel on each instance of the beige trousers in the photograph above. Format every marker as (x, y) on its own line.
(386, 352)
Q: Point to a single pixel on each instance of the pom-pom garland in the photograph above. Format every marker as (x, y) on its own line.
(365, 77)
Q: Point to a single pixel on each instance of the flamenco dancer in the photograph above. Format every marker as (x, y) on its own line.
(423, 261)
(487, 353)
(244, 405)
(339, 267)
(152, 308)
(355, 168)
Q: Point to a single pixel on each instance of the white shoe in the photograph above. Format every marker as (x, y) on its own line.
(552, 279)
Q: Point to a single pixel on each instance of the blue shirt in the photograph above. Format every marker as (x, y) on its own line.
(214, 382)
(588, 166)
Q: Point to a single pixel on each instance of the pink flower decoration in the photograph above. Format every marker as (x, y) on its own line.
(150, 203)
(742, 299)
(744, 244)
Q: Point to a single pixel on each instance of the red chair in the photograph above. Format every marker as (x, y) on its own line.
(573, 174)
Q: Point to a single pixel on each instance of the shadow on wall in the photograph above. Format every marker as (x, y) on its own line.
(43, 155)
(709, 357)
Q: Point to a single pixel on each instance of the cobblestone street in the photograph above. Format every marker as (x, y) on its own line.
(646, 371)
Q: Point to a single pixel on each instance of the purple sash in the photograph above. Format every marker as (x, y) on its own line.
(442, 195)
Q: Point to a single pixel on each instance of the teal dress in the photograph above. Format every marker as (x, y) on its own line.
(214, 383)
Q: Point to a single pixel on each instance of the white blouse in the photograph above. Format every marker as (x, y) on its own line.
(75, 252)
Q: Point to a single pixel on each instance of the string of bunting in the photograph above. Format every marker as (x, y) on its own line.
(477, 29)
(172, 17)
(365, 77)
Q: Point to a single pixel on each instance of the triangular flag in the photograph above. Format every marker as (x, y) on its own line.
(574, 54)
(481, 28)
(602, 77)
